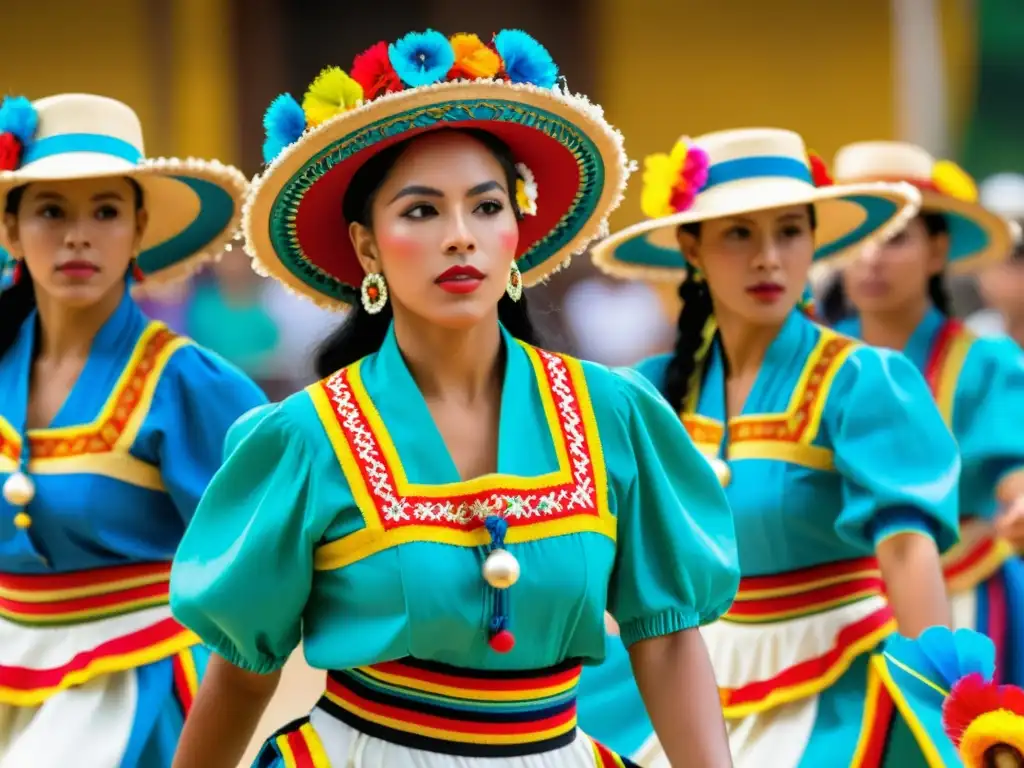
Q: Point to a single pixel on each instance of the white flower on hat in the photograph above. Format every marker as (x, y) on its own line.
(526, 190)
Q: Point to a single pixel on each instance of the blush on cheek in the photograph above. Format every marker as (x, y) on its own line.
(508, 240)
(400, 245)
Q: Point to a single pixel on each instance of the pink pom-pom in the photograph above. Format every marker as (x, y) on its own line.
(696, 163)
(682, 199)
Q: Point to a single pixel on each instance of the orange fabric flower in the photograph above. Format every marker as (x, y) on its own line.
(473, 59)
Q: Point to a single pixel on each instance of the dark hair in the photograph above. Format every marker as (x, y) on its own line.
(697, 308)
(833, 306)
(18, 301)
(936, 224)
(361, 333)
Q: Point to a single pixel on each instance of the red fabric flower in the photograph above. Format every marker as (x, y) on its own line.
(971, 697)
(10, 152)
(372, 69)
(819, 171)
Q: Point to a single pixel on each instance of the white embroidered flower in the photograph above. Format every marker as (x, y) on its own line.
(526, 190)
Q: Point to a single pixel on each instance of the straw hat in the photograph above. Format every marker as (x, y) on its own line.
(571, 163)
(977, 236)
(194, 206)
(728, 173)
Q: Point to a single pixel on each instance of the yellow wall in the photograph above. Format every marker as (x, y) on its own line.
(107, 49)
(71, 46)
(822, 69)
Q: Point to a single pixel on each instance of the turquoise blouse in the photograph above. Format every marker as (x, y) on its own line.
(838, 445)
(979, 386)
(339, 518)
(119, 471)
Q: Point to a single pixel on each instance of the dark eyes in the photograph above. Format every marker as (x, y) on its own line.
(740, 232)
(103, 213)
(426, 210)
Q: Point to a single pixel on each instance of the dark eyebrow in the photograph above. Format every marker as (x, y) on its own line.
(417, 190)
(107, 196)
(791, 216)
(487, 186)
(49, 196)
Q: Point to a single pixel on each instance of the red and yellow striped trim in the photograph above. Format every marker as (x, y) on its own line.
(572, 499)
(812, 675)
(83, 596)
(793, 595)
(27, 687)
(302, 748)
(974, 560)
(945, 362)
(605, 758)
(874, 731)
(186, 679)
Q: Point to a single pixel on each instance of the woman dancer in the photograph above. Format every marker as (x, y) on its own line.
(978, 383)
(840, 515)
(110, 428)
(445, 518)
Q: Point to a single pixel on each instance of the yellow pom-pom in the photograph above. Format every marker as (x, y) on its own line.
(952, 180)
(332, 93)
(22, 520)
(661, 175)
(989, 730)
(473, 59)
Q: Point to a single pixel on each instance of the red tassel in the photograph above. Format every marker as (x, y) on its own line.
(18, 267)
(137, 274)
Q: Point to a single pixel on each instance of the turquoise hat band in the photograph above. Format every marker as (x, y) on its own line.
(767, 166)
(69, 143)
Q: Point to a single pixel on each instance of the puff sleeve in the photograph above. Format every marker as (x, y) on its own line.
(897, 459)
(987, 411)
(676, 562)
(243, 573)
(197, 400)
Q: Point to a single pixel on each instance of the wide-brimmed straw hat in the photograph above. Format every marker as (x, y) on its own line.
(977, 236)
(194, 206)
(729, 173)
(571, 162)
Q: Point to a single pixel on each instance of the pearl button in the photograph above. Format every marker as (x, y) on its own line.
(722, 471)
(19, 489)
(501, 569)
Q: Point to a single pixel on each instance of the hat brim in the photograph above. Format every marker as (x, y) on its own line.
(846, 215)
(293, 223)
(977, 236)
(194, 206)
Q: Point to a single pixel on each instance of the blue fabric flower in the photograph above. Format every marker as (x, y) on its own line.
(18, 117)
(422, 58)
(526, 60)
(284, 123)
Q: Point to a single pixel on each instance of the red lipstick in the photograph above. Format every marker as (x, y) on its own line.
(766, 293)
(461, 278)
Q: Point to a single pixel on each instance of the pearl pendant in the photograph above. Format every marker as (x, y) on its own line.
(501, 569)
(722, 471)
(19, 489)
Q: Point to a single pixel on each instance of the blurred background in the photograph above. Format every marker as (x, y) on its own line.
(946, 74)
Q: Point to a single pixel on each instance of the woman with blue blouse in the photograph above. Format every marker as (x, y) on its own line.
(111, 426)
(897, 289)
(445, 517)
(840, 473)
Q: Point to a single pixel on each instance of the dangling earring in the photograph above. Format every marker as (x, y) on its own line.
(374, 292)
(514, 288)
(137, 274)
(19, 268)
